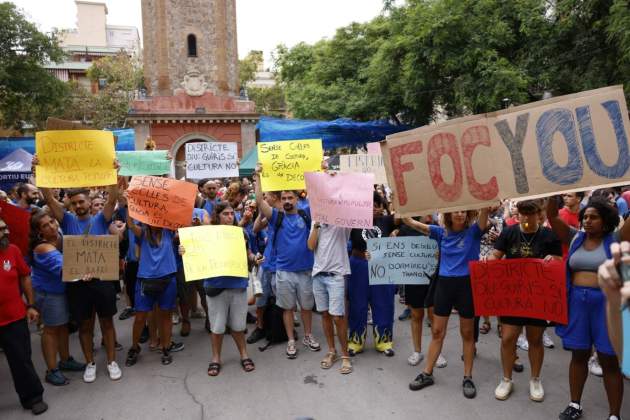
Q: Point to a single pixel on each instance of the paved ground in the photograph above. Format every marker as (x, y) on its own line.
(287, 389)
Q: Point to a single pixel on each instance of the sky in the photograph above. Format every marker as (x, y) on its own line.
(262, 24)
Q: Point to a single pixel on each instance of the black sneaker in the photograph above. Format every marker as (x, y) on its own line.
(144, 337)
(132, 356)
(126, 314)
(468, 387)
(175, 347)
(167, 359)
(571, 413)
(39, 407)
(405, 315)
(256, 335)
(422, 381)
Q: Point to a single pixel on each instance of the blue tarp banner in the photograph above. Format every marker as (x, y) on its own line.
(342, 132)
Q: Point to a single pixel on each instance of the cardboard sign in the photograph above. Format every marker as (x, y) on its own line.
(75, 158)
(144, 162)
(625, 321)
(161, 202)
(284, 163)
(524, 287)
(374, 148)
(404, 260)
(211, 160)
(364, 164)
(19, 223)
(343, 199)
(213, 251)
(96, 255)
(568, 143)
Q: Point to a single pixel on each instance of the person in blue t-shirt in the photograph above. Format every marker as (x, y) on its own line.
(459, 241)
(227, 296)
(208, 189)
(294, 262)
(156, 284)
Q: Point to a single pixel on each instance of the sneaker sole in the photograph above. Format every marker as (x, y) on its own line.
(537, 399)
(418, 388)
(115, 379)
(503, 397)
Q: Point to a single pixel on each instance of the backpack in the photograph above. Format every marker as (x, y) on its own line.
(278, 225)
(273, 325)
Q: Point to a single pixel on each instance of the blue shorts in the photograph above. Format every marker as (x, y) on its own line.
(268, 282)
(52, 307)
(166, 301)
(329, 290)
(587, 321)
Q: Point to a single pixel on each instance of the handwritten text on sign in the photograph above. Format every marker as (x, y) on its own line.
(211, 160)
(520, 287)
(161, 202)
(343, 199)
(567, 143)
(365, 164)
(284, 163)
(143, 162)
(93, 255)
(403, 260)
(75, 158)
(213, 251)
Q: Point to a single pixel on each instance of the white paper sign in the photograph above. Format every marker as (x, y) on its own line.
(211, 160)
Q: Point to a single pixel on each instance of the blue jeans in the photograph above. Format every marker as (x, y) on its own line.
(329, 290)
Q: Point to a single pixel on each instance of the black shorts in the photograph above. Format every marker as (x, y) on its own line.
(85, 297)
(454, 292)
(522, 321)
(131, 277)
(416, 295)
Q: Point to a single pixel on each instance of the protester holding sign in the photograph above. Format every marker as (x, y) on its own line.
(525, 240)
(588, 249)
(460, 241)
(50, 297)
(360, 294)
(156, 286)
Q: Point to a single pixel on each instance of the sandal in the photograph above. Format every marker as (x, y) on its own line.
(485, 327)
(329, 360)
(248, 365)
(346, 365)
(214, 369)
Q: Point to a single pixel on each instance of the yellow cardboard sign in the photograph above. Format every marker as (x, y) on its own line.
(75, 158)
(213, 251)
(284, 163)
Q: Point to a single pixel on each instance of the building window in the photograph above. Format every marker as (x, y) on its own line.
(192, 46)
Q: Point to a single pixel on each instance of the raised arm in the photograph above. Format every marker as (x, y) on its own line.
(55, 206)
(414, 224)
(260, 223)
(263, 206)
(133, 227)
(314, 236)
(483, 219)
(559, 227)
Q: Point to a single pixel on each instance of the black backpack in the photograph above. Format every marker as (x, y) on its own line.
(273, 325)
(279, 220)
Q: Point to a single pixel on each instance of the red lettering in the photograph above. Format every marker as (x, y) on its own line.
(445, 144)
(399, 168)
(473, 137)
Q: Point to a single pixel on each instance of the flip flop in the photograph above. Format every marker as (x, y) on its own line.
(214, 369)
(248, 365)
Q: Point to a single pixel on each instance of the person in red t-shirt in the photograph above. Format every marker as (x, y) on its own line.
(15, 337)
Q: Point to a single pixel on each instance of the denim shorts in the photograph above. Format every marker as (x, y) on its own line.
(52, 307)
(268, 283)
(292, 288)
(329, 292)
(228, 309)
(166, 301)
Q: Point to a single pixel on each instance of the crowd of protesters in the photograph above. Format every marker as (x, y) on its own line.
(306, 266)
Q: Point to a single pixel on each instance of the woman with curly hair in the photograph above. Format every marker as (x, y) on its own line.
(588, 249)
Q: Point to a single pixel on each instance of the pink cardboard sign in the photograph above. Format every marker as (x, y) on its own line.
(341, 199)
(374, 148)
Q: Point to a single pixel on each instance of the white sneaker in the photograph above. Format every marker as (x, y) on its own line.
(114, 371)
(441, 362)
(504, 389)
(522, 343)
(547, 341)
(594, 366)
(175, 318)
(89, 375)
(536, 390)
(415, 358)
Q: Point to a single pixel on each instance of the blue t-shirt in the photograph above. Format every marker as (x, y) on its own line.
(622, 206)
(208, 205)
(292, 253)
(270, 256)
(303, 204)
(71, 225)
(156, 261)
(226, 282)
(46, 272)
(457, 249)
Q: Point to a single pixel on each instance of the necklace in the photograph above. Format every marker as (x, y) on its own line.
(526, 246)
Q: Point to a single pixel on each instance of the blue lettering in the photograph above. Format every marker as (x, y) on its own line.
(549, 123)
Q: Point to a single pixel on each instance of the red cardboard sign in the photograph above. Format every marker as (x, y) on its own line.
(18, 221)
(524, 287)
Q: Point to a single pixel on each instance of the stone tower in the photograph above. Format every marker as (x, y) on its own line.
(194, 38)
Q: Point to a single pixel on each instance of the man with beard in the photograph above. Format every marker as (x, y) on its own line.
(87, 297)
(14, 335)
(294, 262)
(208, 189)
(27, 196)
